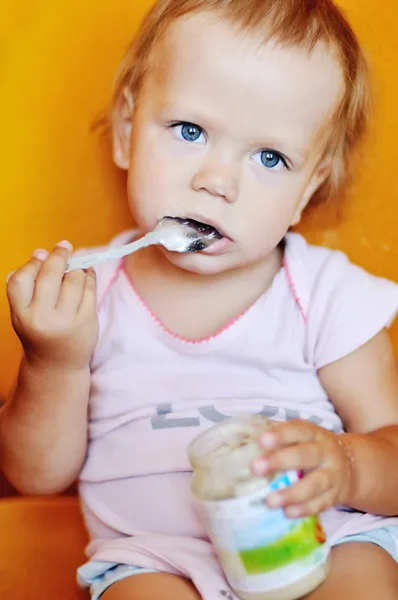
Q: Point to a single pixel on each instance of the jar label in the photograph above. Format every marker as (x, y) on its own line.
(260, 548)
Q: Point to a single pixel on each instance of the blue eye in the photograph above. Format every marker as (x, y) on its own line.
(188, 131)
(271, 160)
(191, 133)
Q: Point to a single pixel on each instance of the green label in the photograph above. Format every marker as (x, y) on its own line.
(304, 537)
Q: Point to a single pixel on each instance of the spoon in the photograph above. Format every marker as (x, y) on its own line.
(174, 233)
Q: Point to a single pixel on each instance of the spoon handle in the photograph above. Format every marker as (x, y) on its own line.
(90, 260)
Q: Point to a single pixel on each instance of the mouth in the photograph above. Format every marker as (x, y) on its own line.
(204, 229)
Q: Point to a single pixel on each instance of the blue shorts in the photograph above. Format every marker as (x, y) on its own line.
(99, 576)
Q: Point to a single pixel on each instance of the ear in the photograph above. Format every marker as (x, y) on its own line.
(320, 174)
(121, 129)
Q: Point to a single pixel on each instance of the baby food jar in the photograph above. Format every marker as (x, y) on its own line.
(265, 555)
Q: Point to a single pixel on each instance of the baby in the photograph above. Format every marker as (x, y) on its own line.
(237, 114)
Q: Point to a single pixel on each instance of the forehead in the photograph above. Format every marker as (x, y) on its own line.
(209, 65)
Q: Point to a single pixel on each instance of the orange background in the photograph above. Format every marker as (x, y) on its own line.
(57, 61)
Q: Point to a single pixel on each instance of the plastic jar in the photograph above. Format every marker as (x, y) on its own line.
(265, 555)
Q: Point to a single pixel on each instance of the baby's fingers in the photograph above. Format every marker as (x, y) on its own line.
(71, 293)
(296, 431)
(299, 457)
(21, 283)
(89, 300)
(312, 507)
(314, 485)
(50, 278)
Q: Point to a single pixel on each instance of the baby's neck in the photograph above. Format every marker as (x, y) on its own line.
(213, 300)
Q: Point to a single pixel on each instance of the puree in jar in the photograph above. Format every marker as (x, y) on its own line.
(265, 555)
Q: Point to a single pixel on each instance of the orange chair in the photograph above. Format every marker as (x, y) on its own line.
(57, 64)
(41, 545)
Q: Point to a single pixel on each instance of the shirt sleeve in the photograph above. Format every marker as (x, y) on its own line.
(347, 308)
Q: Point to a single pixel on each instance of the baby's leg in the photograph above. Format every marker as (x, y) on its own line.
(359, 570)
(152, 586)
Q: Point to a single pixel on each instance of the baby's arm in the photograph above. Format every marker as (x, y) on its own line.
(364, 390)
(43, 429)
(357, 469)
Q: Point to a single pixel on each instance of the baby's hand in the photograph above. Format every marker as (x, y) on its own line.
(53, 314)
(322, 457)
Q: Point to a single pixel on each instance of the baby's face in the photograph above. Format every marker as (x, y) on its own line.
(230, 131)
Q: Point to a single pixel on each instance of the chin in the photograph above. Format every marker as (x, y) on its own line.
(198, 263)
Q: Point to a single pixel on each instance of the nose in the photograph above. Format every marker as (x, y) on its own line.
(218, 179)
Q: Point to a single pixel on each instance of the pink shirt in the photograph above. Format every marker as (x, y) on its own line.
(153, 392)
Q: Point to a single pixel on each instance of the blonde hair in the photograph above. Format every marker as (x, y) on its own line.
(303, 23)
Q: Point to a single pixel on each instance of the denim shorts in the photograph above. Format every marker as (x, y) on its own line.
(99, 576)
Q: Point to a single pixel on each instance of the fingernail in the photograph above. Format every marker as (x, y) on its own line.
(9, 276)
(65, 244)
(267, 441)
(274, 500)
(40, 254)
(259, 467)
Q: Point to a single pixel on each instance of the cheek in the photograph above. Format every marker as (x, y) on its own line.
(265, 209)
(152, 192)
(145, 169)
(266, 215)
(153, 165)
